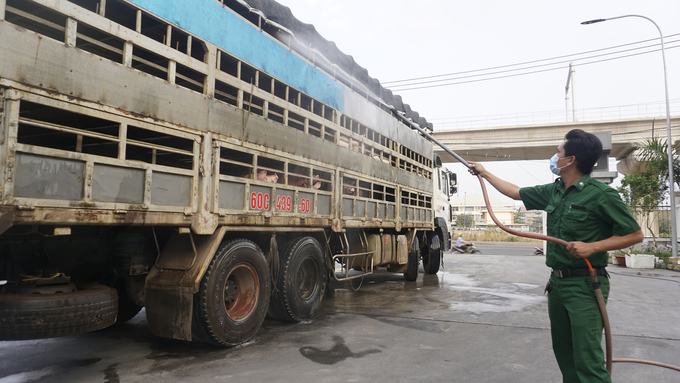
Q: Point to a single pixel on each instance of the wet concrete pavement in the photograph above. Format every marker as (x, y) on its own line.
(483, 318)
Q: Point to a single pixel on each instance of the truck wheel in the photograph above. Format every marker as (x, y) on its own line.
(302, 280)
(50, 314)
(411, 273)
(127, 308)
(233, 296)
(432, 254)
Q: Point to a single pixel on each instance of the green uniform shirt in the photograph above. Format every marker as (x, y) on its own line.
(589, 211)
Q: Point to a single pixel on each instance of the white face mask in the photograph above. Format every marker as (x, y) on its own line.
(553, 164)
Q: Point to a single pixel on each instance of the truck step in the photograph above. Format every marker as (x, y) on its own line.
(347, 262)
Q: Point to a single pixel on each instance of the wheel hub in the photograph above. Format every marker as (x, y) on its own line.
(240, 292)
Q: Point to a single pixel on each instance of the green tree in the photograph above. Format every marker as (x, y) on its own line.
(520, 217)
(465, 221)
(653, 153)
(642, 192)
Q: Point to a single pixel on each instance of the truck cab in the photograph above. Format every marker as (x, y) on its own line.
(445, 185)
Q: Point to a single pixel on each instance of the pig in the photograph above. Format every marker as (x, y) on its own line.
(263, 176)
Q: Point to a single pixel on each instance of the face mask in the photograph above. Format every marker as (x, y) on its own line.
(553, 164)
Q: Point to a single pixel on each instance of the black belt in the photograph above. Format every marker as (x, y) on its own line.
(578, 272)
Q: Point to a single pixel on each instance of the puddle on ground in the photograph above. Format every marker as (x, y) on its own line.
(481, 297)
(173, 354)
(111, 374)
(448, 291)
(335, 354)
(49, 371)
(412, 324)
(28, 376)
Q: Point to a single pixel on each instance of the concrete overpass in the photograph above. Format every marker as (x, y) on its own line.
(536, 142)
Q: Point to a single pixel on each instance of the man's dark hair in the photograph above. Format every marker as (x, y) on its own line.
(586, 147)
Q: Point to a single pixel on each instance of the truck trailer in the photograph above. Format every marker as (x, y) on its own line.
(212, 161)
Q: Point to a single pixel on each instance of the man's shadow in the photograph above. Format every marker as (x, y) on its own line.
(335, 354)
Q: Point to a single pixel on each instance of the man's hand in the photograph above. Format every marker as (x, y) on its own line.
(584, 250)
(475, 166)
(581, 250)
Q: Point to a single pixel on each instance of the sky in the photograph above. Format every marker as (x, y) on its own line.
(398, 40)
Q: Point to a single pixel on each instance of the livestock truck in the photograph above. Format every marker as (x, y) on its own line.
(209, 161)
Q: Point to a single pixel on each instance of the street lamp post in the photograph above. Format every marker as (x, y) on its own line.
(570, 78)
(674, 233)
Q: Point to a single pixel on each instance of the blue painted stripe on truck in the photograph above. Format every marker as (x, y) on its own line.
(212, 22)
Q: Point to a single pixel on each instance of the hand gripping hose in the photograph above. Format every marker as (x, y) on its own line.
(596, 285)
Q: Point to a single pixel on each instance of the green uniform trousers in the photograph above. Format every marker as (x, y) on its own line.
(576, 328)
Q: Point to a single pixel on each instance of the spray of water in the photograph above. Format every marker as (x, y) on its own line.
(306, 41)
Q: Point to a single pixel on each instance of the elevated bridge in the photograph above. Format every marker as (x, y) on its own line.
(536, 142)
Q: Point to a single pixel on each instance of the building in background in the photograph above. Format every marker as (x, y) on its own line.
(473, 204)
(533, 220)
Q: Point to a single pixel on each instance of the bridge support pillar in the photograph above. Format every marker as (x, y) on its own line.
(601, 170)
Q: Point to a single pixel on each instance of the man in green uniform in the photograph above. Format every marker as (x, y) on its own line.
(592, 218)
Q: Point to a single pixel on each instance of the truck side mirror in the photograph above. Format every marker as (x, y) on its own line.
(453, 188)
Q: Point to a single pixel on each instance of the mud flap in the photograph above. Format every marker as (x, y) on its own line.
(6, 218)
(172, 282)
(168, 313)
(440, 222)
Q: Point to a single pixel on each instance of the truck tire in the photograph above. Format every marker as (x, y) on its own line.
(432, 254)
(233, 296)
(36, 316)
(411, 273)
(302, 281)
